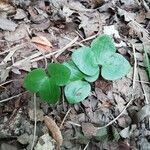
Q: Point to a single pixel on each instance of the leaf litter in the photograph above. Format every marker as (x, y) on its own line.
(59, 23)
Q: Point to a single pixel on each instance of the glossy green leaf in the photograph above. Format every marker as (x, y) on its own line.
(115, 68)
(77, 91)
(76, 74)
(147, 62)
(50, 92)
(84, 59)
(59, 73)
(102, 46)
(92, 78)
(35, 80)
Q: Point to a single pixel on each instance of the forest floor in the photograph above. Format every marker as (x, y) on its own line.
(120, 107)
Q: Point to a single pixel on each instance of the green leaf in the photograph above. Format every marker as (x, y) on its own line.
(102, 46)
(76, 74)
(50, 92)
(147, 62)
(35, 80)
(92, 78)
(59, 73)
(84, 59)
(77, 91)
(115, 68)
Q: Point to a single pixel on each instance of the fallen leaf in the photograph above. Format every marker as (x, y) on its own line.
(54, 129)
(6, 24)
(123, 145)
(111, 30)
(45, 143)
(144, 112)
(42, 43)
(20, 14)
(88, 129)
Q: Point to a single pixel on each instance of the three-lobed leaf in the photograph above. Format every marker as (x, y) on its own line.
(59, 73)
(115, 68)
(84, 59)
(102, 46)
(77, 91)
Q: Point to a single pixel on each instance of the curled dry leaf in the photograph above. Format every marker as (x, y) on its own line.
(42, 43)
(54, 129)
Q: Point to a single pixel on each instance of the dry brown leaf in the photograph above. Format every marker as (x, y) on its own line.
(54, 129)
(42, 43)
(88, 129)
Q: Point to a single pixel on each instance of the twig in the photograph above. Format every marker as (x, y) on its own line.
(58, 52)
(35, 119)
(86, 146)
(10, 98)
(67, 46)
(75, 124)
(17, 47)
(146, 82)
(65, 117)
(6, 82)
(135, 66)
(111, 122)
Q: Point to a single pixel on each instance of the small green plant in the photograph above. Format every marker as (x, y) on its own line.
(75, 75)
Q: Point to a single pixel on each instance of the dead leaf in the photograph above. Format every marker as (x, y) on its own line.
(144, 112)
(88, 129)
(20, 14)
(45, 143)
(42, 43)
(6, 24)
(123, 145)
(54, 129)
(20, 33)
(112, 31)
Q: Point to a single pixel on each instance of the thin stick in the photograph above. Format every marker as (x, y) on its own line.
(75, 124)
(10, 98)
(58, 51)
(17, 47)
(86, 146)
(135, 66)
(34, 134)
(6, 82)
(65, 117)
(111, 122)
(67, 46)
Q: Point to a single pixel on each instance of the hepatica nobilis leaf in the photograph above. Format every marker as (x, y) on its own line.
(35, 80)
(59, 73)
(84, 59)
(77, 91)
(50, 92)
(92, 78)
(76, 74)
(115, 68)
(102, 46)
